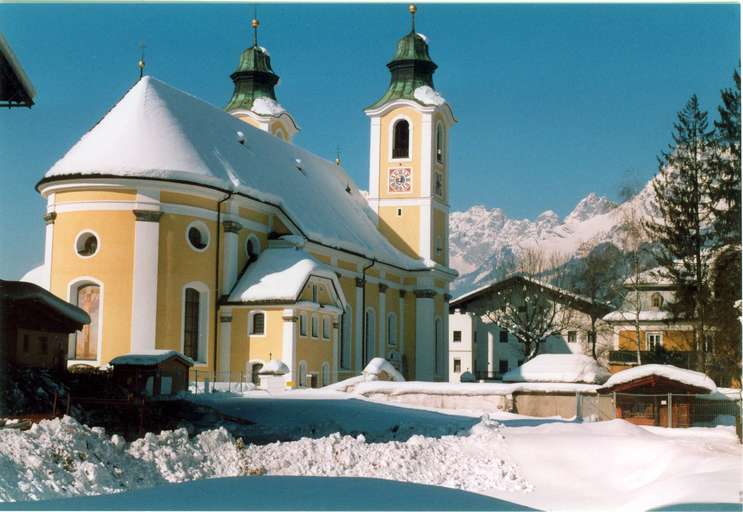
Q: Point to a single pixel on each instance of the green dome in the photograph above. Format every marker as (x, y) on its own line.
(411, 67)
(253, 78)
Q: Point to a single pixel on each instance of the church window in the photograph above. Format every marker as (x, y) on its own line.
(195, 321)
(258, 323)
(314, 326)
(439, 143)
(87, 296)
(326, 328)
(302, 325)
(391, 329)
(86, 244)
(399, 212)
(401, 139)
(325, 374)
(657, 300)
(197, 235)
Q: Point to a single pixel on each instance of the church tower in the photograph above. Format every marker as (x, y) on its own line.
(408, 159)
(254, 100)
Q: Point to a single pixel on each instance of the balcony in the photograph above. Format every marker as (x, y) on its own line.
(682, 359)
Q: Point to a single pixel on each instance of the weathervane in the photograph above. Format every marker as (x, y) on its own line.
(140, 63)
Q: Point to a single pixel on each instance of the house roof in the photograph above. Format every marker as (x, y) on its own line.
(574, 300)
(695, 380)
(158, 132)
(28, 298)
(150, 358)
(15, 87)
(279, 276)
(559, 368)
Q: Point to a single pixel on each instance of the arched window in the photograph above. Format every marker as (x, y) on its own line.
(346, 333)
(325, 374)
(87, 296)
(302, 377)
(401, 139)
(371, 338)
(437, 346)
(258, 323)
(392, 329)
(656, 300)
(195, 321)
(439, 143)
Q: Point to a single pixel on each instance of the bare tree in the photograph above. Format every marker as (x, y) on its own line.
(526, 305)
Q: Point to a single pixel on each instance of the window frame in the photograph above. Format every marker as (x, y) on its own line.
(573, 335)
(251, 324)
(326, 328)
(203, 333)
(651, 334)
(314, 327)
(456, 336)
(303, 324)
(392, 126)
(82, 233)
(440, 144)
(391, 330)
(202, 228)
(73, 288)
(457, 366)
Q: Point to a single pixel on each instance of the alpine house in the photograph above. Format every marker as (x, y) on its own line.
(180, 226)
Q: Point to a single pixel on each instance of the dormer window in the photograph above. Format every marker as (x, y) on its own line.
(401, 139)
(656, 301)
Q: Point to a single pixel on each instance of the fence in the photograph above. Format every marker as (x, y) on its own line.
(206, 381)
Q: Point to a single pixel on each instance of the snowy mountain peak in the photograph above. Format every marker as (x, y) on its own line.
(588, 207)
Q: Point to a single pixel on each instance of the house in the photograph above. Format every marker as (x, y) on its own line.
(16, 89)
(480, 346)
(662, 337)
(152, 373)
(180, 226)
(645, 394)
(36, 326)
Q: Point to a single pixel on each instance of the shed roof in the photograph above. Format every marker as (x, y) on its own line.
(152, 357)
(30, 298)
(697, 382)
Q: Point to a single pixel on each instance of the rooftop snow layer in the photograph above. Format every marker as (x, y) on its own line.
(20, 291)
(682, 375)
(279, 274)
(157, 131)
(150, 357)
(274, 367)
(381, 365)
(559, 368)
(644, 316)
(35, 276)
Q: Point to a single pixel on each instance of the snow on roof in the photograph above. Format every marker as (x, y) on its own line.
(559, 368)
(19, 291)
(150, 357)
(157, 131)
(688, 377)
(279, 274)
(645, 316)
(470, 388)
(428, 96)
(274, 367)
(381, 365)
(657, 276)
(267, 107)
(35, 276)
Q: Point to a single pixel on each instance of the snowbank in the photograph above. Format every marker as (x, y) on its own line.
(380, 369)
(471, 389)
(688, 377)
(559, 368)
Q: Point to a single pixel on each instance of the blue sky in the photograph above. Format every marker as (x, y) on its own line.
(553, 101)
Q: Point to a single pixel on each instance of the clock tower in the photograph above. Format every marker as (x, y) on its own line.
(409, 154)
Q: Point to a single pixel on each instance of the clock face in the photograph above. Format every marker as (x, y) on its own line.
(400, 179)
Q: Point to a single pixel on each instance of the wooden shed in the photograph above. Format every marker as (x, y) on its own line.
(644, 395)
(152, 374)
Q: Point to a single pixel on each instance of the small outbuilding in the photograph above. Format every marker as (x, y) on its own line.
(646, 394)
(35, 326)
(152, 373)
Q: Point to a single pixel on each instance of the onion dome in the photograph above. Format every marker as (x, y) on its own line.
(254, 78)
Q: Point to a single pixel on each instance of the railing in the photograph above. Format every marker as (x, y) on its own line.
(682, 359)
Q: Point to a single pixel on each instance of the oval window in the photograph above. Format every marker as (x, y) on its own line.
(198, 236)
(86, 244)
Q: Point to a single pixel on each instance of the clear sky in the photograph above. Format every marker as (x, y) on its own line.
(553, 101)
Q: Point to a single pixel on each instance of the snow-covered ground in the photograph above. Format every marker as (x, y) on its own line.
(537, 462)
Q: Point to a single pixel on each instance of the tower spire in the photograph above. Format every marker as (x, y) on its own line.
(412, 9)
(141, 63)
(255, 24)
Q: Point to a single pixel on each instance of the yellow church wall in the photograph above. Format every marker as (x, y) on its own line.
(175, 270)
(249, 120)
(187, 200)
(111, 265)
(75, 196)
(249, 214)
(323, 291)
(278, 226)
(439, 233)
(245, 347)
(402, 231)
(385, 152)
(346, 265)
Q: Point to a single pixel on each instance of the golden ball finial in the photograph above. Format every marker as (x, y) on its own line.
(255, 23)
(411, 9)
(140, 64)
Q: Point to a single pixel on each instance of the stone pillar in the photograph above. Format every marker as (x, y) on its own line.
(229, 272)
(382, 352)
(424, 334)
(144, 286)
(225, 343)
(289, 344)
(358, 325)
(49, 218)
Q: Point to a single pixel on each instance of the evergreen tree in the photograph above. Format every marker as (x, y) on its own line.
(725, 192)
(682, 194)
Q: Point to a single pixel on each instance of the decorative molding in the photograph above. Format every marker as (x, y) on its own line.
(231, 226)
(382, 288)
(147, 215)
(50, 217)
(425, 294)
(360, 282)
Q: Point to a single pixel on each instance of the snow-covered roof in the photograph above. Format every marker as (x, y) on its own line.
(35, 276)
(380, 365)
(559, 368)
(688, 377)
(657, 276)
(159, 132)
(428, 95)
(645, 316)
(150, 358)
(24, 292)
(274, 367)
(279, 275)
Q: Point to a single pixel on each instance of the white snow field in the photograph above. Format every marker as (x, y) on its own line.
(542, 463)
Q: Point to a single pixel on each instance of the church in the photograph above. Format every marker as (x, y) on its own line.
(180, 226)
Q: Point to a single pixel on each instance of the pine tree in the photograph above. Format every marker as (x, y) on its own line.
(725, 192)
(682, 193)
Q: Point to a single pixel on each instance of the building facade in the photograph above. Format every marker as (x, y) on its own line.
(178, 226)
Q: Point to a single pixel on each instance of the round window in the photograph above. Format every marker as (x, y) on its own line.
(86, 244)
(198, 236)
